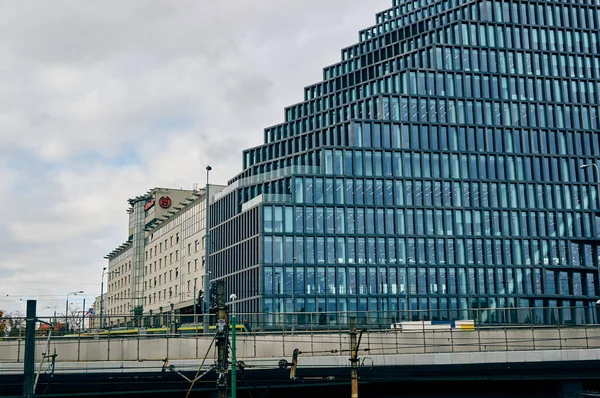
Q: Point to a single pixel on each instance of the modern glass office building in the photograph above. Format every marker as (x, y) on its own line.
(437, 167)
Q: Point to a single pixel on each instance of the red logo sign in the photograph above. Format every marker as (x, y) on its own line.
(164, 202)
(149, 205)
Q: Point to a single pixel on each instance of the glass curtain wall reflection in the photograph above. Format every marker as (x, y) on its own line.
(433, 172)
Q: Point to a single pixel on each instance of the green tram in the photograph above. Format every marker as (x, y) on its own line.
(184, 329)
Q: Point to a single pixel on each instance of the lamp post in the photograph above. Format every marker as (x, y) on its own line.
(82, 317)
(67, 309)
(195, 303)
(281, 310)
(102, 296)
(294, 315)
(115, 272)
(278, 286)
(233, 297)
(205, 319)
(595, 166)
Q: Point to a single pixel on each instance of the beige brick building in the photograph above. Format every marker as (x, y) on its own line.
(161, 265)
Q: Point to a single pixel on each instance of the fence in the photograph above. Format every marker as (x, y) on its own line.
(256, 345)
(305, 320)
(169, 322)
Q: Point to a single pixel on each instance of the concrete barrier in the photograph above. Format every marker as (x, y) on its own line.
(390, 342)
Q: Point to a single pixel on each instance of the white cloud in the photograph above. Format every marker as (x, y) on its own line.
(101, 101)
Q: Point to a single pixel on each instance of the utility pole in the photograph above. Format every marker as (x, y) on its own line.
(354, 355)
(222, 341)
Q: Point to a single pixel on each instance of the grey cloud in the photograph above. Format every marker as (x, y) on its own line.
(100, 101)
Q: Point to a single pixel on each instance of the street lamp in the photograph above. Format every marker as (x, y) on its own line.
(102, 296)
(53, 307)
(233, 297)
(67, 309)
(595, 166)
(206, 254)
(278, 283)
(294, 315)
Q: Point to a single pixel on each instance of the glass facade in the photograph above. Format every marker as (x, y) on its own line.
(436, 168)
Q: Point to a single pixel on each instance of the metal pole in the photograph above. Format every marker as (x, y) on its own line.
(67, 310)
(598, 210)
(597, 170)
(293, 294)
(29, 371)
(233, 297)
(82, 317)
(67, 315)
(354, 357)
(195, 303)
(102, 296)
(205, 320)
(597, 181)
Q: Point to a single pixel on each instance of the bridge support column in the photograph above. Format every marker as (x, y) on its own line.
(570, 389)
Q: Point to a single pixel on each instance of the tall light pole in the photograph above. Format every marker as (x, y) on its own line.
(205, 319)
(233, 297)
(280, 311)
(82, 317)
(53, 307)
(294, 315)
(102, 296)
(595, 166)
(67, 309)
(114, 272)
(195, 304)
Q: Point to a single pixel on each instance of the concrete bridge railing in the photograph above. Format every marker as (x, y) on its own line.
(264, 345)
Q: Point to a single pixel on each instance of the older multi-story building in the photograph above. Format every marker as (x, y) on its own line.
(117, 303)
(174, 257)
(126, 296)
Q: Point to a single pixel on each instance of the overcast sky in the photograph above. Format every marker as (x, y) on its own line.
(101, 101)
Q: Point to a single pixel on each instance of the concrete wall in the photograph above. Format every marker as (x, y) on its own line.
(249, 346)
